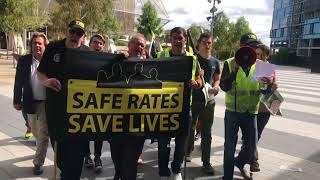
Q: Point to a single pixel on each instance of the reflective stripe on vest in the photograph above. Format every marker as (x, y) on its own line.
(244, 96)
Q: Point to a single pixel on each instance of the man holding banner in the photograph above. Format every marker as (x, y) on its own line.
(70, 154)
(178, 37)
(126, 149)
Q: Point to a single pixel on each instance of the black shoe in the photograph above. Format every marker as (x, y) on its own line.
(243, 172)
(88, 163)
(97, 164)
(207, 169)
(37, 170)
(254, 167)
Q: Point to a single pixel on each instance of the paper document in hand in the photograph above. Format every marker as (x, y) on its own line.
(263, 69)
(210, 96)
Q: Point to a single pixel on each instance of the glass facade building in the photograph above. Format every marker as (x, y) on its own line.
(296, 26)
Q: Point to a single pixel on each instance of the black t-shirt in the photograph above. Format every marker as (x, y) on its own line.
(210, 66)
(51, 63)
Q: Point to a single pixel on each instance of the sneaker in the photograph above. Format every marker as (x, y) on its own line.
(177, 176)
(97, 164)
(254, 167)
(207, 169)
(88, 163)
(37, 170)
(28, 134)
(164, 178)
(188, 158)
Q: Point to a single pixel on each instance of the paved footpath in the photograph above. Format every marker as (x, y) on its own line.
(289, 148)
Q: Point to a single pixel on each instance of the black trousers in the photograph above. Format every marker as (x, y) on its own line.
(70, 156)
(97, 148)
(125, 151)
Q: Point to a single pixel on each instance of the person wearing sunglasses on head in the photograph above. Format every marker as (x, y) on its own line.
(70, 154)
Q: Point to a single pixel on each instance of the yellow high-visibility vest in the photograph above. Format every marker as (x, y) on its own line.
(244, 96)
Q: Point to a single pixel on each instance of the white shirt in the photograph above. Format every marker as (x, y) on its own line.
(39, 91)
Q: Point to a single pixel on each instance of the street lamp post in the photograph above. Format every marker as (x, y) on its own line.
(212, 11)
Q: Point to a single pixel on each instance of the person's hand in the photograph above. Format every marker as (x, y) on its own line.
(194, 84)
(235, 67)
(124, 53)
(53, 83)
(274, 86)
(213, 90)
(266, 80)
(18, 107)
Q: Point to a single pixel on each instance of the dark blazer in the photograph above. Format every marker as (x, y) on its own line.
(22, 85)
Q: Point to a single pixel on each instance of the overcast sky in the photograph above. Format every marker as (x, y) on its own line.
(257, 12)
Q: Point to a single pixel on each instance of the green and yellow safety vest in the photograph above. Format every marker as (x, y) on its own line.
(244, 95)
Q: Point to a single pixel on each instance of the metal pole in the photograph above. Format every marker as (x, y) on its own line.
(212, 20)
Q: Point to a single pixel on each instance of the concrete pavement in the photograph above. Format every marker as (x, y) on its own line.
(289, 148)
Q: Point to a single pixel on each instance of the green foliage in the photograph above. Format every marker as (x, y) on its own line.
(227, 35)
(282, 57)
(121, 43)
(108, 26)
(149, 20)
(96, 15)
(196, 31)
(16, 15)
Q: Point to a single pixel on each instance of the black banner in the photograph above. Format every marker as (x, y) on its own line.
(105, 94)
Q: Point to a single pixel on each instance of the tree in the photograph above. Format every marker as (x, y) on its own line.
(237, 30)
(96, 14)
(196, 31)
(108, 26)
(149, 21)
(221, 28)
(228, 34)
(17, 15)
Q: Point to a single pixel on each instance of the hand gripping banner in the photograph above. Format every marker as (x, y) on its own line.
(105, 94)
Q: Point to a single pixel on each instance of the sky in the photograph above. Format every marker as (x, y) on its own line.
(257, 12)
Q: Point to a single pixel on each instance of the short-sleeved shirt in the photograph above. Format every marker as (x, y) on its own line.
(210, 67)
(51, 64)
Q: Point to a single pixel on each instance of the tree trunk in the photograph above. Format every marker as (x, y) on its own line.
(7, 41)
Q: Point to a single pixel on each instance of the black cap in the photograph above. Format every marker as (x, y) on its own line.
(248, 38)
(254, 44)
(76, 24)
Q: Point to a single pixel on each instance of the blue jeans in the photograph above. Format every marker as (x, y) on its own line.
(248, 125)
(164, 155)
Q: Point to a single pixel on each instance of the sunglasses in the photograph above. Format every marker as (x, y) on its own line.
(76, 32)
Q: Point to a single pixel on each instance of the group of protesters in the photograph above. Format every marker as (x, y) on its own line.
(40, 70)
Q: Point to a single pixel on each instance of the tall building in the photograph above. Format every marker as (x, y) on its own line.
(296, 26)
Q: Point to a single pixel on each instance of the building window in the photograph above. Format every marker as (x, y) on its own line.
(311, 28)
(316, 28)
(282, 32)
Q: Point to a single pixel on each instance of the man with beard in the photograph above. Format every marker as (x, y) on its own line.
(178, 37)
